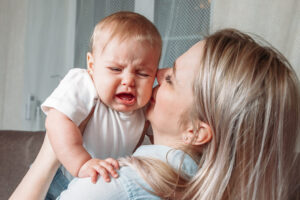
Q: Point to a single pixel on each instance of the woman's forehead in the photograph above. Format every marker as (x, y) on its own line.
(197, 48)
(192, 57)
(193, 54)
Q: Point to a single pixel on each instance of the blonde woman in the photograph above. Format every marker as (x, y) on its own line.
(225, 118)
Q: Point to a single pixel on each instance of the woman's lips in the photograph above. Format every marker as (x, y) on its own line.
(152, 100)
(126, 98)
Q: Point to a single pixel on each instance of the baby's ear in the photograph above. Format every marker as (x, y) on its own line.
(202, 135)
(90, 62)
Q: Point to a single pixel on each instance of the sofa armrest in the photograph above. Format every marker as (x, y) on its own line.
(18, 149)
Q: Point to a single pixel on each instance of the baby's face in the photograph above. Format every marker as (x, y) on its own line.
(123, 74)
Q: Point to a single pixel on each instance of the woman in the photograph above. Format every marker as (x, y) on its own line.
(224, 120)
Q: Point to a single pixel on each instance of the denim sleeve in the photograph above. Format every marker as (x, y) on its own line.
(83, 188)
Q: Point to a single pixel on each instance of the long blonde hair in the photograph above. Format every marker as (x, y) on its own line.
(249, 96)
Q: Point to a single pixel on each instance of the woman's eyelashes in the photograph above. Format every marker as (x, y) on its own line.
(168, 79)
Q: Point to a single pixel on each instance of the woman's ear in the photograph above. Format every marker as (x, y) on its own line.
(202, 135)
(90, 63)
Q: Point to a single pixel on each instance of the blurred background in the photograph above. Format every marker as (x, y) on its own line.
(40, 40)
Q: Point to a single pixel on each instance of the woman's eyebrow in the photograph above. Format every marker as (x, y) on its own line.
(174, 70)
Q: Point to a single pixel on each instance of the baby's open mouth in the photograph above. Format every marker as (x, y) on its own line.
(126, 98)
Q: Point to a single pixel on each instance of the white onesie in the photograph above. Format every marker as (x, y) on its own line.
(109, 133)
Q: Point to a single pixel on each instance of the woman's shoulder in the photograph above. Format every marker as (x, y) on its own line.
(83, 188)
(176, 158)
(134, 185)
(129, 185)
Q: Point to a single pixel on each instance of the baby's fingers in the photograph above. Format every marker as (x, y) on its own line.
(113, 162)
(109, 168)
(103, 172)
(94, 175)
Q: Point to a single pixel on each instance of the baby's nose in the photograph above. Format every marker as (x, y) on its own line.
(128, 80)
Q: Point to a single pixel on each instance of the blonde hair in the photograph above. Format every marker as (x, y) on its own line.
(249, 95)
(126, 25)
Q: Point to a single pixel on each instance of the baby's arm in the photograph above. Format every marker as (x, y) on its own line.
(66, 140)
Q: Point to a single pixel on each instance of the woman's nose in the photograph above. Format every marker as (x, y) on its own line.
(128, 80)
(161, 75)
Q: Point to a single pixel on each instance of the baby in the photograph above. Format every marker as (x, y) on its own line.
(107, 98)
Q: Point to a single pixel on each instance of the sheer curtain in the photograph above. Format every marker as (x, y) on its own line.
(276, 21)
(37, 48)
(180, 23)
(12, 36)
(44, 39)
(40, 40)
(49, 53)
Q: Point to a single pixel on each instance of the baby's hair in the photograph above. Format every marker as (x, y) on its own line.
(122, 26)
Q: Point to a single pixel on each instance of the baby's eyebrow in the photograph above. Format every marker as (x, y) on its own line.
(113, 62)
(145, 67)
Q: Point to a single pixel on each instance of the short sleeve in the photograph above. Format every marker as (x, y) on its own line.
(75, 96)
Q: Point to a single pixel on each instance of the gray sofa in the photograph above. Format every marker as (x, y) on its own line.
(18, 149)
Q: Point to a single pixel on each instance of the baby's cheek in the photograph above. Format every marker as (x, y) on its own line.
(145, 95)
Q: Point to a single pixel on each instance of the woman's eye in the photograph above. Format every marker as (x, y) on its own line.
(168, 79)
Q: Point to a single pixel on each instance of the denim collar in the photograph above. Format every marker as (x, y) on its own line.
(171, 156)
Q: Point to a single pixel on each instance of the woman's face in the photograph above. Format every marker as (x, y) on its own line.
(173, 96)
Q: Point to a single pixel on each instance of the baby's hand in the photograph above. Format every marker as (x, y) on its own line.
(94, 166)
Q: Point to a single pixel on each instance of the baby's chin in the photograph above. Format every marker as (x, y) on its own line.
(126, 108)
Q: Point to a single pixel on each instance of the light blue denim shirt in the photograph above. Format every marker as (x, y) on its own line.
(129, 185)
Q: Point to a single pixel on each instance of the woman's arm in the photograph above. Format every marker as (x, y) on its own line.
(37, 180)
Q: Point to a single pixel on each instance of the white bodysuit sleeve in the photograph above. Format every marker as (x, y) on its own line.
(75, 96)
